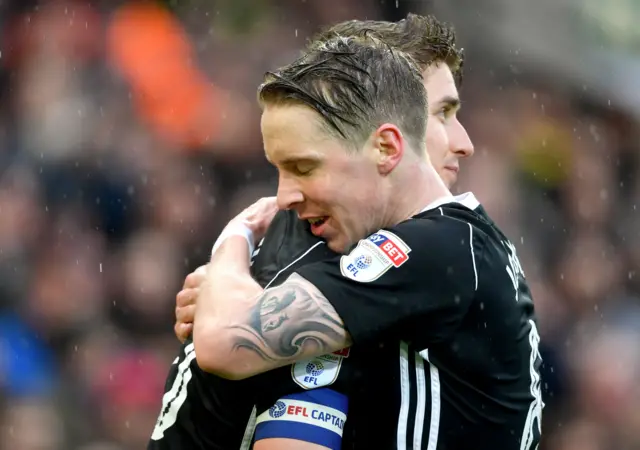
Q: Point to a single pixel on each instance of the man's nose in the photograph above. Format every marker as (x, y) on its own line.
(461, 142)
(289, 193)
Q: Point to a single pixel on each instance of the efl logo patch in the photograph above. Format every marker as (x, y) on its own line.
(317, 372)
(374, 256)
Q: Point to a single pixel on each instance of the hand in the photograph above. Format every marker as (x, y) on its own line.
(258, 217)
(252, 223)
(186, 303)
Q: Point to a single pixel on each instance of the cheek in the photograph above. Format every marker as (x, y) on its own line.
(351, 200)
(317, 189)
(437, 143)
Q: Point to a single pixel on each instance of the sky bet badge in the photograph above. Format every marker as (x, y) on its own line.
(373, 256)
(320, 371)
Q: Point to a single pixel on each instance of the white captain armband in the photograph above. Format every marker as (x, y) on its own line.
(316, 416)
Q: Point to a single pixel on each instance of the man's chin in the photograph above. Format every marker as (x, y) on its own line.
(338, 245)
(449, 177)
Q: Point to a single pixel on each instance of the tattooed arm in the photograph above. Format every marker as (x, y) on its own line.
(241, 330)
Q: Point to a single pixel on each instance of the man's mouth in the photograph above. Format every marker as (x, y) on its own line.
(317, 224)
(453, 169)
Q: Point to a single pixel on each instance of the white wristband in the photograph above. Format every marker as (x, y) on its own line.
(235, 230)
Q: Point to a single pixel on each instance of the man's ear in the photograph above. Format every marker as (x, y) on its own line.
(390, 146)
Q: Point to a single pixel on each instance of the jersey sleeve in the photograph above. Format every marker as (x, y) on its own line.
(415, 280)
(316, 416)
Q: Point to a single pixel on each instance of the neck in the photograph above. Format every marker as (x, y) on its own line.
(411, 195)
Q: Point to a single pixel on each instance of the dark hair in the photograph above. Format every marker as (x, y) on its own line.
(355, 85)
(427, 40)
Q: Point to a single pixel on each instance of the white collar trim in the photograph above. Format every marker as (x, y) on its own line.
(467, 200)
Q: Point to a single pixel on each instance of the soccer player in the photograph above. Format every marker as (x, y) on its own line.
(197, 412)
(428, 288)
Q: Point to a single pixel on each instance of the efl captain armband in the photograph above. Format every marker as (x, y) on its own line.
(316, 416)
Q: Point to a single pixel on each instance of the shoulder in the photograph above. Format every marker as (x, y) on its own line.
(288, 242)
(448, 228)
(287, 234)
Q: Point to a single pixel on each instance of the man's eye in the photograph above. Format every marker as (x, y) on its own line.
(302, 170)
(445, 113)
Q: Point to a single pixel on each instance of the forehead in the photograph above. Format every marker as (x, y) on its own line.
(291, 132)
(439, 82)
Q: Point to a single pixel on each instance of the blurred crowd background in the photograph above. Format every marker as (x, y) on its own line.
(129, 135)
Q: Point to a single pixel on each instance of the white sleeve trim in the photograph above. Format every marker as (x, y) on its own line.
(473, 256)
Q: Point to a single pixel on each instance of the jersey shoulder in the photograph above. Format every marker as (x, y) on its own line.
(467, 209)
(287, 241)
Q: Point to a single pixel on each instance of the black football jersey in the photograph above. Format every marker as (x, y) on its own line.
(443, 325)
(441, 356)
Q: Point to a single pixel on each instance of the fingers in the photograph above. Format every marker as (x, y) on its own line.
(195, 278)
(183, 331)
(185, 314)
(187, 297)
(186, 303)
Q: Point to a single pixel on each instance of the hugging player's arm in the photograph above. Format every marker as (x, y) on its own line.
(415, 280)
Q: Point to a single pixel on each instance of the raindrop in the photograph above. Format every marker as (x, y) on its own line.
(481, 306)
(100, 267)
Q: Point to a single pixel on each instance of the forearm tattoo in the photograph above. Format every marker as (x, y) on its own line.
(290, 322)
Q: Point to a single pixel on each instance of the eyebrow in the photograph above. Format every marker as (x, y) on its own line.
(299, 159)
(295, 160)
(449, 100)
